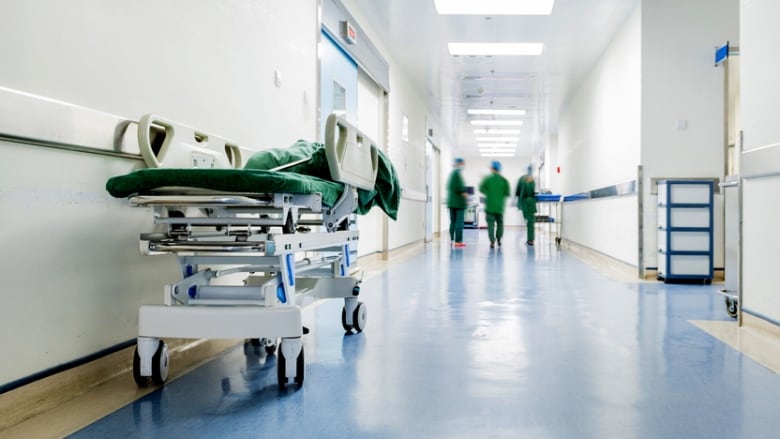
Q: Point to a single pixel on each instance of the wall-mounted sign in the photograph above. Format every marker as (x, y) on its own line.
(348, 32)
(721, 53)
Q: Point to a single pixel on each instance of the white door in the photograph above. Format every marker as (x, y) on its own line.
(371, 116)
(429, 190)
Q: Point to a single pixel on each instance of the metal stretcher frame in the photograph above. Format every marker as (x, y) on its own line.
(254, 233)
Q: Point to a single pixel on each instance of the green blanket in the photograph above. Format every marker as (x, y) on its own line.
(312, 176)
(387, 188)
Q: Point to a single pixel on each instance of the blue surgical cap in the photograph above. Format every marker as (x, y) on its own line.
(495, 164)
(459, 161)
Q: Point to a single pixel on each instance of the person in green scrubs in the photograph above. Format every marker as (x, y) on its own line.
(496, 190)
(456, 202)
(526, 201)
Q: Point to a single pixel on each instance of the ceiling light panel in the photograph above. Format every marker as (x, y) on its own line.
(516, 123)
(489, 112)
(498, 139)
(496, 49)
(495, 131)
(494, 7)
(497, 154)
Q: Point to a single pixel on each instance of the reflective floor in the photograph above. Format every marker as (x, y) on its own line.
(480, 343)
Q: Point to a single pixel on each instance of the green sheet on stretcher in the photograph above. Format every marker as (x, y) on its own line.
(312, 176)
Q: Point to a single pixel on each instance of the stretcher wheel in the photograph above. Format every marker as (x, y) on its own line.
(731, 307)
(141, 381)
(160, 362)
(344, 324)
(359, 317)
(281, 367)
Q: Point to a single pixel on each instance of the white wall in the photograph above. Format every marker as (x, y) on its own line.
(208, 64)
(599, 145)
(759, 38)
(73, 275)
(679, 83)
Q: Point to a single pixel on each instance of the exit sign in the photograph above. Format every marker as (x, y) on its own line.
(348, 32)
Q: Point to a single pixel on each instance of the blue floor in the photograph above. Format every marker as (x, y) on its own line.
(474, 343)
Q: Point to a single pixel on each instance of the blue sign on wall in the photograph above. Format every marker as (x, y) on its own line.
(721, 53)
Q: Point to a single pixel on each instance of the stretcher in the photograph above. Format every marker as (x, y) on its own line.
(221, 220)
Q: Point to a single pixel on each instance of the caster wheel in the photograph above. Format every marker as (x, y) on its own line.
(359, 317)
(281, 366)
(731, 307)
(160, 363)
(141, 381)
(344, 320)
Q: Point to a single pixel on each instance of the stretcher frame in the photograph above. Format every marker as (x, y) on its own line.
(258, 234)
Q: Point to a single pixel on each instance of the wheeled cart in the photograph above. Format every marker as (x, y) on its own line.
(268, 239)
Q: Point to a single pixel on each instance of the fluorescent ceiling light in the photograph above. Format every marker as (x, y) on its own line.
(496, 145)
(497, 154)
(496, 151)
(488, 112)
(497, 139)
(495, 131)
(494, 7)
(495, 49)
(498, 122)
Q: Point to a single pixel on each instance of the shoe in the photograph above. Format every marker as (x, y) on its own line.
(499, 243)
(531, 243)
(492, 245)
(459, 244)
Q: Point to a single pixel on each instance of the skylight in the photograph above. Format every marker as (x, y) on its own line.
(494, 7)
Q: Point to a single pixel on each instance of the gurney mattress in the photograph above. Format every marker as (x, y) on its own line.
(242, 181)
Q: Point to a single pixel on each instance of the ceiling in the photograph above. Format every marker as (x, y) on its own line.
(574, 36)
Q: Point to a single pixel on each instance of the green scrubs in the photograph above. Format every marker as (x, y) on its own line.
(456, 202)
(496, 190)
(526, 201)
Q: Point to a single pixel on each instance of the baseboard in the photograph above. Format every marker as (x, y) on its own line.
(604, 262)
(43, 395)
(761, 325)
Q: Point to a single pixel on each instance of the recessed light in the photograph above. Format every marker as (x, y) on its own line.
(497, 154)
(487, 111)
(497, 122)
(495, 131)
(497, 145)
(498, 139)
(506, 49)
(494, 7)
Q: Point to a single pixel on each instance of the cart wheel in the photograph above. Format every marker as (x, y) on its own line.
(141, 381)
(299, 369)
(731, 307)
(160, 362)
(281, 367)
(344, 319)
(359, 317)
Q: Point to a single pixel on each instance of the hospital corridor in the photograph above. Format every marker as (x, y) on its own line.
(541, 219)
